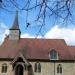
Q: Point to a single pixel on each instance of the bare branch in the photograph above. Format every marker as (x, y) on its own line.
(57, 9)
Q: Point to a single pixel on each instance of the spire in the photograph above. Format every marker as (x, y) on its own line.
(15, 23)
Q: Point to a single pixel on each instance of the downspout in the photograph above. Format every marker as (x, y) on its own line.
(54, 67)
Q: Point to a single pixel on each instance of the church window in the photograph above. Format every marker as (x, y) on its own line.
(59, 68)
(37, 67)
(53, 54)
(4, 68)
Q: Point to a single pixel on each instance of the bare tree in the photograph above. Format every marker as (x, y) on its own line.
(60, 10)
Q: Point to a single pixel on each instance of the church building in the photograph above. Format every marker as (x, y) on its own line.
(34, 56)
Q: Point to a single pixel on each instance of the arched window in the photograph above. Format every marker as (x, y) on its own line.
(4, 68)
(53, 54)
(59, 68)
(37, 67)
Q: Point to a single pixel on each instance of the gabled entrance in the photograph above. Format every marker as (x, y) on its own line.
(19, 70)
(20, 65)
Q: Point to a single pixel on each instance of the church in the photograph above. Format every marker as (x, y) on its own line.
(34, 56)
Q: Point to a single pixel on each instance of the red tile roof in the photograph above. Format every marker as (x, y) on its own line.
(35, 48)
(72, 51)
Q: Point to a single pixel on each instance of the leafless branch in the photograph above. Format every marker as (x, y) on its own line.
(61, 9)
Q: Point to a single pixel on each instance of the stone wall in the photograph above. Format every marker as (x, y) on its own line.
(9, 68)
(47, 68)
(50, 68)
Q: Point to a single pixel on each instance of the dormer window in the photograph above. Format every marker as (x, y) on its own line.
(53, 55)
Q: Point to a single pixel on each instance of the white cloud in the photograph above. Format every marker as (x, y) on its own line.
(3, 32)
(26, 35)
(62, 33)
(55, 33)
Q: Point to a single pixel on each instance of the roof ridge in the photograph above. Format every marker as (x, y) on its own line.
(42, 39)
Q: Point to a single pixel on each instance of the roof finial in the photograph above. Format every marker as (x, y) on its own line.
(15, 23)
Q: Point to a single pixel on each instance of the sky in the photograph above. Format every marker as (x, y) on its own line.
(49, 31)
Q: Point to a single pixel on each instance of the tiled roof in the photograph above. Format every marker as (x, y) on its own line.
(72, 51)
(35, 48)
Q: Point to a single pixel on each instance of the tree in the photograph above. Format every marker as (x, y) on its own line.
(60, 10)
(0, 0)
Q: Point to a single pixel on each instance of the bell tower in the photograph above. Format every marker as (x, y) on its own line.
(14, 30)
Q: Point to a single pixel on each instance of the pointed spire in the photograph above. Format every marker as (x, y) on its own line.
(15, 23)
